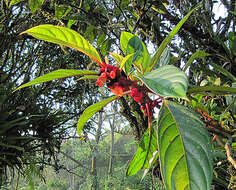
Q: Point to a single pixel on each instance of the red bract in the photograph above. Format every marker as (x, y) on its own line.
(137, 95)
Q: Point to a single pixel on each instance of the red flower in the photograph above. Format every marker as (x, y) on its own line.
(99, 83)
(113, 74)
(117, 89)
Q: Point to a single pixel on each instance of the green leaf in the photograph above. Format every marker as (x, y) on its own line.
(198, 54)
(101, 39)
(167, 81)
(65, 36)
(12, 146)
(70, 23)
(124, 39)
(144, 60)
(164, 58)
(91, 110)
(35, 5)
(61, 73)
(14, 2)
(173, 60)
(231, 101)
(232, 42)
(161, 10)
(223, 71)
(61, 10)
(216, 90)
(118, 58)
(124, 61)
(135, 47)
(184, 149)
(89, 33)
(233, 13)
(167, 40)
(146, 150)
(105, 47)
(88, 77)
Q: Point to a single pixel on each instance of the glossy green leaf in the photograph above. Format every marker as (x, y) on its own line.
(217, 90)
(61, 73)
(65, 36)
(167, 40)
(144, 60)
(167, 81)
(35, 5)
(91, 110)
(184, 149)
(146, 151)
(198, 54)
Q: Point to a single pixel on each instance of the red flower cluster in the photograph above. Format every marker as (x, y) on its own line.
(119, 84)
(108, 72)
(114, 79)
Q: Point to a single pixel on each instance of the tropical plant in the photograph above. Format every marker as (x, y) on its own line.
(180, 140)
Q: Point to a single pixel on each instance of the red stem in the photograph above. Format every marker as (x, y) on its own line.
(149, 118)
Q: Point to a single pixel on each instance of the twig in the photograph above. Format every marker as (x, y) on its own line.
(229, 154)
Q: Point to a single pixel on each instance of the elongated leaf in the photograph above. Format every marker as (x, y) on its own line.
(146, 150)
(12, 146)
(167, 81)
(126, 58)
(231, 101)
(198, 54)
(217, 90)
(164, 58)
(223, 71)
(14, 2)
(184, 148)
(61, 73)
(167, 40)
(65, 36)
(88, 77)
(118, 58)
(144, 60)
(91, 110)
